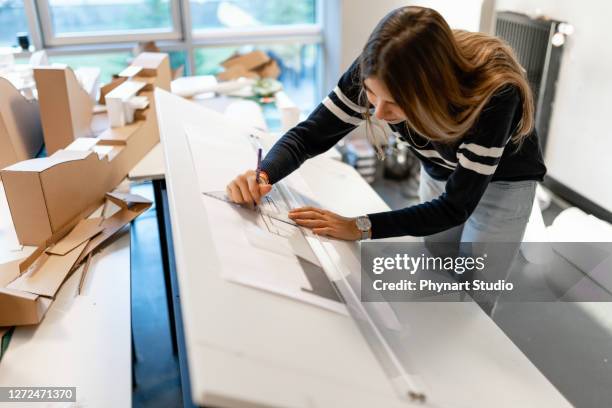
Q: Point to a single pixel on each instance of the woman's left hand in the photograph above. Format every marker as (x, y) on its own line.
(327, 223)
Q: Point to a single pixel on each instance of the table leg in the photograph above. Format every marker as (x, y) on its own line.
(158, 187)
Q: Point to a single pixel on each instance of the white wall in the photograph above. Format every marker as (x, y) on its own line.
(579, 152)
(352, 21)
(348, 25)
(463, 14)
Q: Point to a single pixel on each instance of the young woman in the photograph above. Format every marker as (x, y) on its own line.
(462, 102)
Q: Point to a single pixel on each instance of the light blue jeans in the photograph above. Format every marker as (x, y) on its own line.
(501, 216)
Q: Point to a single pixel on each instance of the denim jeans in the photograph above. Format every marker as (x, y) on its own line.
(501, 216)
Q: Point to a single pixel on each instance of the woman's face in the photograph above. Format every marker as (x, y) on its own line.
(385, 107)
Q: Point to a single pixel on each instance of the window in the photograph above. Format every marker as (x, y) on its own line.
(12, 21)
(87, 21)
(251, 13)
(198, 34)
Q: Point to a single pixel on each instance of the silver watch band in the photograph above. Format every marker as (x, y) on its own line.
(364, 226)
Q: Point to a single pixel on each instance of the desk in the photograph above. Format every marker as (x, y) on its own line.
(246, 347)
(83, 341)
(152, 168)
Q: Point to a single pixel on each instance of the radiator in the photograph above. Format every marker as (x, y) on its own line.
(538, 44)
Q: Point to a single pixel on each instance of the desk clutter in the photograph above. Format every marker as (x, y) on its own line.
(55, 200)
(28, 287)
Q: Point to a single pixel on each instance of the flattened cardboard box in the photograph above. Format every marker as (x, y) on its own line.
(48, 195)
(28, 287)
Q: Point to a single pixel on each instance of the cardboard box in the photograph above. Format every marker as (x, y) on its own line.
(256, 64)
(269, 70)
(66, 109)
(249, 61)
(235, 73)
(47, 196)
(21, 136)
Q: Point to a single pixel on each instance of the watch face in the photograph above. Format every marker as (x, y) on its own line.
(363, 223)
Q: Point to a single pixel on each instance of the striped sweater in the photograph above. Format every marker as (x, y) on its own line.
(483, 155)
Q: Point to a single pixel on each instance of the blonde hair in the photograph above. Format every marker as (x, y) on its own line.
(441, 78)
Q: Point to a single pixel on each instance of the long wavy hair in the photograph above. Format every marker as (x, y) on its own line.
(441, 78)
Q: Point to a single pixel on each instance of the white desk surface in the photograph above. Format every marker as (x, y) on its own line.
(248, 347)
(83, 341)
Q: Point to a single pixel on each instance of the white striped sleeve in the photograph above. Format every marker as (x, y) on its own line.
(339, 113)
(482, 150)
(481, 168)
(348, 102)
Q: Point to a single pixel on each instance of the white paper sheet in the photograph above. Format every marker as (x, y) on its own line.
(256, 250)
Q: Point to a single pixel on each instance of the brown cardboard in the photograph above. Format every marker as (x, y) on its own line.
(155, 65)
(256, 64)
(269, 70)
(126, 200)
(45, 194)
(21, 308)
(21, 136)
(48, 275)
(83, 231)
(84, 272)
(105, 89)
(110, 139)
(236, 72)
(48, 196)
(66, 109)
(27, 287)
(9, 272)
(249, 60)
(131, 208)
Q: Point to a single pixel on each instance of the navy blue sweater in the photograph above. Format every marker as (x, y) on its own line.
(483, 155)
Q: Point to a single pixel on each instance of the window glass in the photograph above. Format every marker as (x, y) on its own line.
(12, 21)
(98, 16)
(251, 13)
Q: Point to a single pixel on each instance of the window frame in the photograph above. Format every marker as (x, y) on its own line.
(51, 38)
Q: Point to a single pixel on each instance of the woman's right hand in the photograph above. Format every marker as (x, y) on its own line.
(244, 189)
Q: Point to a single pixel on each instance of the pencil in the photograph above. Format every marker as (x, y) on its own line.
(258, 166)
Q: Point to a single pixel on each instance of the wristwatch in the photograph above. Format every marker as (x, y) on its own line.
(364, 225)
